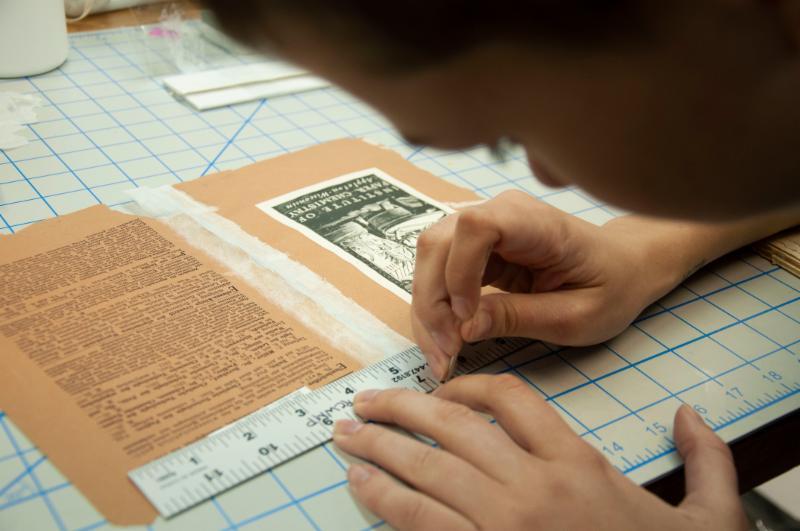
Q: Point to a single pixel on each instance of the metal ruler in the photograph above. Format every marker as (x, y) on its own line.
(288, 428)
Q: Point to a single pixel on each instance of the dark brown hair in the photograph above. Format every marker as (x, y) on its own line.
(415, 33)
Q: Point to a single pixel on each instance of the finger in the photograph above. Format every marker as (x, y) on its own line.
(474, 236)
(437, 359)
(401, 507)
(519, 410)
(430, 300)
(431, 470)
(515, 226)
(456, 428)
(711, 484)
(565, 317)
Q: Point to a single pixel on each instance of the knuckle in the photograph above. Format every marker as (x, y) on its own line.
(383, 405)
(370, 496)
(503, 384)
(413, 512)
(389, 398)
(417, 291)
(584, 310)
(435, 317)
(371, 438)
(566, 324)
(509, 318)
(421, 297)
(594, 459)
(424, 459)
(515, 196)
(585, 456)
(429, 239)
(471, 220)
(450, 413)
(560, 486)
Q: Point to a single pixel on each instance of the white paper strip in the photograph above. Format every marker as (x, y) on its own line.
(184, 84)
(270, 89)
(239, 84)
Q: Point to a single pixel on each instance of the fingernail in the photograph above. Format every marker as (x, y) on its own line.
(479, 326)
(346, 427)
(688, 408)
(358, 474)
(366, 396)
(697, 416)
(461, 308)
(695, 420)
(444, 343)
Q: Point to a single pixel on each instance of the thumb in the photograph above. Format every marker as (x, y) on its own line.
(559, 317)
(711, 486)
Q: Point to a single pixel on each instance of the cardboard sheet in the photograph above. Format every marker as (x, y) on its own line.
(783, 249)
(238, 193)
(120, 342)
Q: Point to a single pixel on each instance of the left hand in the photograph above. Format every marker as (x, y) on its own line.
(530, 471)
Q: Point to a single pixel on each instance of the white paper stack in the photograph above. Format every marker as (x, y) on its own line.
(239, 84)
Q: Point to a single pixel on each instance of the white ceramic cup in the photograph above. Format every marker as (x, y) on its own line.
(33, 36)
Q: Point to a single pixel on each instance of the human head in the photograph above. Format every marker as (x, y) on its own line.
(687, 108)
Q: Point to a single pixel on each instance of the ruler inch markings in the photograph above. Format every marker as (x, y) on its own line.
(285, 429)
(303, 421)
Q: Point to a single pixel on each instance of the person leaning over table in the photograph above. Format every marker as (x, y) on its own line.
(685, 112)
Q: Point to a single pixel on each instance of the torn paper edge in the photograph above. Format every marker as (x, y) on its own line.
(345, 324)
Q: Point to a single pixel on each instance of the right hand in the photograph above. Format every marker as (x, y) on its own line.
(562, 279)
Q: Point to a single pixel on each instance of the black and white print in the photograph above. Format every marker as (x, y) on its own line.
(367, 218)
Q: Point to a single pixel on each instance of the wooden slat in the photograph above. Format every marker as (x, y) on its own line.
(133, 16)
(783, 250)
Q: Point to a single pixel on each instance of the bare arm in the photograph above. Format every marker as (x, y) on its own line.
(674, 250)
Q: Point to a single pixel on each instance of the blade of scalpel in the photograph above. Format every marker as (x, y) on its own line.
(451, 369)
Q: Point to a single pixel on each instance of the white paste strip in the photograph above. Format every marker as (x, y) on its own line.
(459, 205)
(302, 293)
